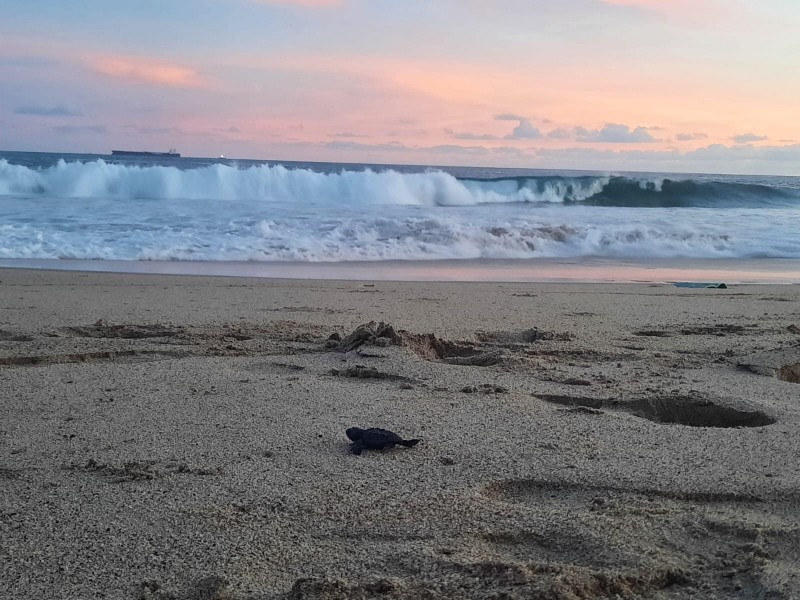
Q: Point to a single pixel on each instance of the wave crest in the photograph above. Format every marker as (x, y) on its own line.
(275, 183)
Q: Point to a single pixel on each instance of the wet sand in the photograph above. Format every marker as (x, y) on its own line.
(540, 270)
(176, 437)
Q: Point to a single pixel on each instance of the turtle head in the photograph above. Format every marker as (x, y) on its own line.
(354, 433)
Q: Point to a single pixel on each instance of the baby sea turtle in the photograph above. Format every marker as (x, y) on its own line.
(375, 438)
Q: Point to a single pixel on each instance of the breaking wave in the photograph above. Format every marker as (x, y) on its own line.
(219, 212)
(275, 183)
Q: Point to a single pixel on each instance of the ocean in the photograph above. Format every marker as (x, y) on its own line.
(71, 208)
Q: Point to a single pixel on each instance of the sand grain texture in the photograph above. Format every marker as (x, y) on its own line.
(183, 438)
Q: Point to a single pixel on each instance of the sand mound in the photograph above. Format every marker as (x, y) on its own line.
(790, 373)
(362, 372)
(425, 345)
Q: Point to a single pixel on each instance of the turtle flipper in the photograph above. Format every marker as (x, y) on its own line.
(409, 443)
(357, 447)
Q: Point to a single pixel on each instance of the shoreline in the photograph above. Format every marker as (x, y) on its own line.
(544, 270)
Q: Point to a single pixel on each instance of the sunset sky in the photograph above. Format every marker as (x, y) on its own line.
(665, 85)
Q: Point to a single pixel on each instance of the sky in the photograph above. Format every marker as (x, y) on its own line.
(645, 85)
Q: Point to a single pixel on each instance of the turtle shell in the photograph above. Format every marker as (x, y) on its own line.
(377, 438)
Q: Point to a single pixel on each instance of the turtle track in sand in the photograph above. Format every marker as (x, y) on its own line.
(121, 356)
(718, 330)
(8, 336)
(103, 330)
(132, 343)
(721, 540)
(139, 470)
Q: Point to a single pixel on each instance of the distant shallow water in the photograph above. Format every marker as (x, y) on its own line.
(729, 271)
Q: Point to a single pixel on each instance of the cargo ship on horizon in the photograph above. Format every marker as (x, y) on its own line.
(171, 154)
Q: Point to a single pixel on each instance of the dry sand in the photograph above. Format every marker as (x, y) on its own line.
(183, 438)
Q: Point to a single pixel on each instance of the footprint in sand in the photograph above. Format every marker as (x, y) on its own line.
(692, 410)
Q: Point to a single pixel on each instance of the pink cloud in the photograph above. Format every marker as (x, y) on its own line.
(147, 70)
(463, 97)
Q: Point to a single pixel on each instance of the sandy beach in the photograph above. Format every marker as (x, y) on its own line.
(180, 437)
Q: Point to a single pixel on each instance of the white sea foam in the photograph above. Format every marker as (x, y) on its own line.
(100, 210)
(396, 236)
